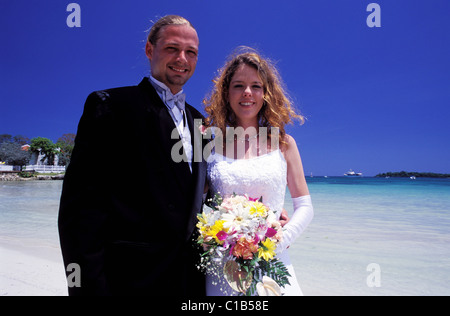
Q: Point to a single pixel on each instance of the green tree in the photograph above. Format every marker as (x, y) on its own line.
(65, 144)
(5, 138)
(12, 154)
(46, 147)
(21, 140)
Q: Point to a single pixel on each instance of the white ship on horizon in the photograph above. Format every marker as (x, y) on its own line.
(351, 173)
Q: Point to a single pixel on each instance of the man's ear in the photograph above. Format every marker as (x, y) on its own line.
(149, 50)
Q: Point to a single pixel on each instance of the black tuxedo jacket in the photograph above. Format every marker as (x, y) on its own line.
(128, 210)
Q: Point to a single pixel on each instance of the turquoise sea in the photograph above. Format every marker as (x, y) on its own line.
(399, 224)
(369, 236)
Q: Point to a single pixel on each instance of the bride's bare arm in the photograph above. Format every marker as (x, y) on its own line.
(295, 175)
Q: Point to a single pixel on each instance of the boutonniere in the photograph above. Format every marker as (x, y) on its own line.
(202, 129)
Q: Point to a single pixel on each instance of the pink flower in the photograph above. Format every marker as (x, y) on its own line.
(202, 129)
(227, 204)
(222, 235)
(271, 232)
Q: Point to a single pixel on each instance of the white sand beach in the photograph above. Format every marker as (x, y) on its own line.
(31, 270)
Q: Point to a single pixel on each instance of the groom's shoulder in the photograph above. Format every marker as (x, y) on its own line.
(114, 93)
(107, 101)
(127, 92)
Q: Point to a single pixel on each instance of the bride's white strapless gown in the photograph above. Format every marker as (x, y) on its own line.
(264, 176)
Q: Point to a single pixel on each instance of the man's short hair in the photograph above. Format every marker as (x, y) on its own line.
(167, 20)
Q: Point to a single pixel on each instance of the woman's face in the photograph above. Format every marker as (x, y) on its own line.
(246, 94)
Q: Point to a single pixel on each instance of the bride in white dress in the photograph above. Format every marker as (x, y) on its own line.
(260, 159)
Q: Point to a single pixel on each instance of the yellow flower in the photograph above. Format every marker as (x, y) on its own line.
(258, 208)
(216, 228)
(267, 250)
(211, 231)
(201, 220)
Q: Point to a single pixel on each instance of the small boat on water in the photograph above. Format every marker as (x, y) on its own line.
(351, 173)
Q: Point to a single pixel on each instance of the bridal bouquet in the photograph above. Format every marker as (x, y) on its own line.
(239, 236)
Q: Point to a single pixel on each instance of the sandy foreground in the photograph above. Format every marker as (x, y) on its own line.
(31, 270)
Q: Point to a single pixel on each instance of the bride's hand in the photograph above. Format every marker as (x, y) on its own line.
(284, 218)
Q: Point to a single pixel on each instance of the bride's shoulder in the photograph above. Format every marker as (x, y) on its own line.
(290, 150)
(288, 144)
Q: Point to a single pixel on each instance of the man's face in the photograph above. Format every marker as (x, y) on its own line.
(174, 56)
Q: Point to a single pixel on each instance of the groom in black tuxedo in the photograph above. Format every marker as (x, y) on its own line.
(128, 206)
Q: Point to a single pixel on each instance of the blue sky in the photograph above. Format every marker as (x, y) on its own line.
(376, 99)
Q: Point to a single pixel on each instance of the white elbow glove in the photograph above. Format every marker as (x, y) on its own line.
(303, 214)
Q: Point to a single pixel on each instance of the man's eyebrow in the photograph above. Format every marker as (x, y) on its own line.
(171, 44)
(178, 45)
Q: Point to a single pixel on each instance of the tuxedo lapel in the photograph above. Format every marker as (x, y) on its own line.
(196, 141)
(194, 182)
(164, 131)
(198, 171)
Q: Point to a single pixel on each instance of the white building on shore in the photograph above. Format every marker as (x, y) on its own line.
(39, 164)
(36, 164)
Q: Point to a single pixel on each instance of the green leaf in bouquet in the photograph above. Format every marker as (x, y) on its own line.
(215, 201)
(274, 269)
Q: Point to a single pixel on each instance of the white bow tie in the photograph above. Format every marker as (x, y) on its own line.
(177, 100)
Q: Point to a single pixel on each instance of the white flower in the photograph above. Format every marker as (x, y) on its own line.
(268, 287)
(271, 218)
(238, 218)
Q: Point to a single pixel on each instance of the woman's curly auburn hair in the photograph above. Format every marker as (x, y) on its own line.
(277, 110)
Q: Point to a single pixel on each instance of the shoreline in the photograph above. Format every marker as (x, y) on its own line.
(16, 177)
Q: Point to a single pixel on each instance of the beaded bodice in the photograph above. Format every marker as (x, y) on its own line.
(263, 176)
